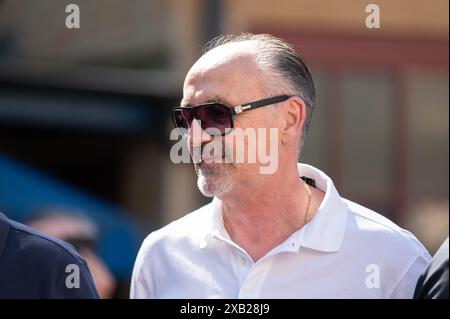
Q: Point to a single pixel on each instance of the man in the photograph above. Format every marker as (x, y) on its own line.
(285, 234)
(433, 283)
(33, 265)
(81, 232)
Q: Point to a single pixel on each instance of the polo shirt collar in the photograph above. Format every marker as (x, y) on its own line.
(325, 232)
(215, 227)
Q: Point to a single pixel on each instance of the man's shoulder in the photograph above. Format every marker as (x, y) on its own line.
(433, 283)
(31, 240)
(23, 242)
(34, 265)
(382, 232)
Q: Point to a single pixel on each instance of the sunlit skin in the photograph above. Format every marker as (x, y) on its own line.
(259, 211)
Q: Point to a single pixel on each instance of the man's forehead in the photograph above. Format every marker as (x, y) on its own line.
(226, 73)
(238, 53)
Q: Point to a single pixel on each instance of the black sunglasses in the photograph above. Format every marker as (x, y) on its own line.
(216, 118)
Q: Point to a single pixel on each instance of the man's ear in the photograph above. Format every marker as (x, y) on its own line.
(294, 116)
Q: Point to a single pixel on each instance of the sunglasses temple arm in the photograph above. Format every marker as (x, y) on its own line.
(249, 106)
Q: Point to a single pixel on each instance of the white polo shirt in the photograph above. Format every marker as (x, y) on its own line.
(346, 251)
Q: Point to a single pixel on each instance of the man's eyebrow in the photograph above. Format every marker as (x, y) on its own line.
(209, 100)
(185, 105)
(216, 99)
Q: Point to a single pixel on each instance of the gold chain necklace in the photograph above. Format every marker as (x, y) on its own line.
(309, 202)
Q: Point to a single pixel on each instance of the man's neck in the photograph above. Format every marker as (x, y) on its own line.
(264, 216)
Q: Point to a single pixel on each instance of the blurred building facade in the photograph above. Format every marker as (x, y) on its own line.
(380, 129)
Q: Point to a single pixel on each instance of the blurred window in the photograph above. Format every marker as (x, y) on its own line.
(367, 132)
(428, 123)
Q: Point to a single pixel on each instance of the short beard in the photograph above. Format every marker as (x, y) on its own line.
(214, 179)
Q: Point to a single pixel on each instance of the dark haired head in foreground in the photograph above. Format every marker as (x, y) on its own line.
(34, 265)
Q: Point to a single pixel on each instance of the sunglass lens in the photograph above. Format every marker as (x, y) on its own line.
(182, 120)
(215, 119)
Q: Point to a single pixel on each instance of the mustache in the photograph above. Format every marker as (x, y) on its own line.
(215, 148)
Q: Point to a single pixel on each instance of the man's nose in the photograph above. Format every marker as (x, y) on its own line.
(197, 136)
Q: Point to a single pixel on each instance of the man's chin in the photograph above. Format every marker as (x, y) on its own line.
(215, 170)
(211, 186)
(206, 193)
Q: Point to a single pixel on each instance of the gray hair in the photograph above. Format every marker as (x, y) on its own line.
(287, 72)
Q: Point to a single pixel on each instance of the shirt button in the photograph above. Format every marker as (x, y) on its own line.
(243, 261)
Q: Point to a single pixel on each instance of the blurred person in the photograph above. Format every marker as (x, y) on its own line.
(34, 265)
(82, 233)
(284, 234)
(433, 283)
